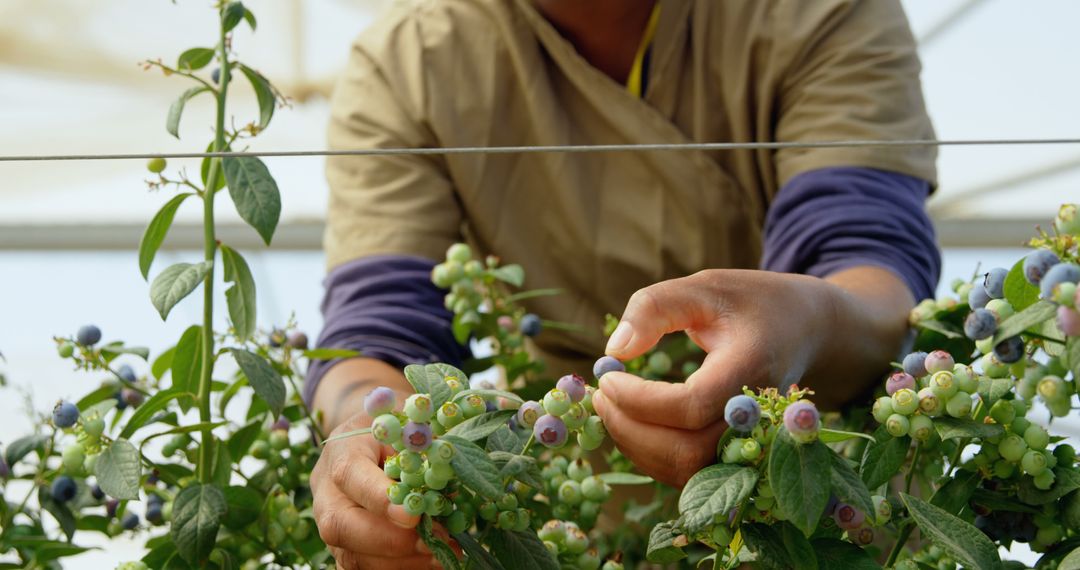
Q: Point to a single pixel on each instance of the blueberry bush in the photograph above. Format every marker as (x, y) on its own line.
(204, 451)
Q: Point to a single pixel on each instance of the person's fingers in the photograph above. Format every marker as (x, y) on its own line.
(364, 482)
(654, 311)
(345, 525)
(346, 560)
(667, 454)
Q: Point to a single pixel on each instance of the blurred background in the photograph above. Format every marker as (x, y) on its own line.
(71, 83)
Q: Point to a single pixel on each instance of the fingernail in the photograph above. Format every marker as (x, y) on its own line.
(398, 516)
(620, 337)
(421, 547)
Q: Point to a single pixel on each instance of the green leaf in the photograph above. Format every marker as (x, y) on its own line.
(172, 120)
(114, 349)
(249, 17)
(712, 492)
(479, 427)
(330, 353)
(264, 94)
(103, 393)
(997, 501)
(155, 232)
(478, 556)
(954, 495)
(847, 485)
(487, 393)
(662, 544)
(195, 59)
(264, 379)
(234, 12)
(503, 439)
(798, 548)
(521, 550)
(255, 194)
(221, 467)
(204, 168)
(197, 514)
(948, 330)
(148, 409)
(430, 379)
(119, 469)
(1018, 292)
(767, 545)
(617, 478)
(187, 363)
(1072, 355)
(959, 428)
(241, 296)
(1023, 320)
(520, 467)
(797, 472)
(962, 541)
(836, 436)
(834, 553)
(162, 363)
(241, 440)
(242, 506)
(22, 447)
(474, 468)
(512, 274)
(1066, 480)
(58, 510)
(442, 551)
(176, 282)
(159, 555)
(882, 460)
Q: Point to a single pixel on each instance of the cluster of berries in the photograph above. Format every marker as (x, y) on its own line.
(932, 556)
(576, 494)
(1022, 449)
(128, 391)
(460, 273)
(565, 408)
(567, 542)
(859, 525)
(743, 414)
(930, 385)
(1046, 382)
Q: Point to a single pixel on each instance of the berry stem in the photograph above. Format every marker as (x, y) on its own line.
(911, 469)
(901, 541)
(210, 253)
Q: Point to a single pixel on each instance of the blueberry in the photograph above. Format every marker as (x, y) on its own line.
(110, 507)
(530, 325)
(905, 401)
(1033, 463)
(606, 364)
(1068, 220)
(802, 421)
(1009, 350)
(131, 397)
(153, 514)
(215, 75)
(88, 335)
(276, 338)
(380, 401)
(282, 424)
(742, 413)
(459, 252)
(156, 165)
(882, 409)
(64, 489)
(505, 322)
(386, 429)
(528, 413)
(915, 364)
(297, 340)
(1037, 263)
(65, 414)
(417, 436)
(659, 363)
(450, 415)
(556, 402)
(921, 427)
(994, 282)
(440, 452)
(1068, 320)
(1012, 447)
(573, 385)
(130, 521)
(943, 384)
(419, 408)
(938, 361)
(65, 349)
(899, 381)
(575, 417)
(550, 431)
(930, 403)
(977, 297)
(1058, 274)
(848, 517)
(980, 324)
(126, 373)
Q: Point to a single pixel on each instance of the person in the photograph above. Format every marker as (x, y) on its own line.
(789, 265)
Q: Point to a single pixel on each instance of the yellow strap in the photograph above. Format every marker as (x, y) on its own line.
(633, 82)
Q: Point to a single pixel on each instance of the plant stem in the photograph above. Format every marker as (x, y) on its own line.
(901, 540)
(210, 253)
(911, 470)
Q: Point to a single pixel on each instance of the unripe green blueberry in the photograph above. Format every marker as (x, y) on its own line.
(289, 517)
(993, 367)
(659, 363)
(554, 483)
(1012, 447)
(587, 400)
(279, 440)
(897, 425)
(73, 458)
(553, 531)
(450, 415)
(616, 565)
(905, 401)
(90, 463)
(455, 385)
(751, 450)
(560, 462)
(94, 427)
(410, 461)
(1065, 454)
(576, 540)
(414, 480)
(1052, 388)
(576, 416)
(1004, 469)
(386, 429)
(441, 451)
(556, 402)
(570, 492)
(472, 405)
(1043, 481)
(883, 408)
(922, 427)
(732, 452)
(434, 503)
(1003, 412)
(507, 502)
(414, 503)
(397, 492)
(588, 442)
(579, 469)
(1059, 408)
(552, 548)
(1001, 308)
(488, 511)
(594, 489)
(943, 384)
(391, 467)
(419, 408)
(882, 509)
(1051, 461)
(588, 560)
(65, 349)
(506, 520)
(457, 522)
(459, 252)
(442, 470)
(1019, 425)
(1033, 463)
(965, 378)
(930, 403)
(959, 405)
(1037, 437)
(434, 481)
(524, 519)
(156, 165)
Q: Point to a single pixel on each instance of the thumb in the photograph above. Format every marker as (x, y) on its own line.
(652, 312)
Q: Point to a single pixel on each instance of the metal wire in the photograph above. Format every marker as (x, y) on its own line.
(548, 149)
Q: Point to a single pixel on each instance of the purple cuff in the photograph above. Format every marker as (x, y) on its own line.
(387, 308)
(828, 220)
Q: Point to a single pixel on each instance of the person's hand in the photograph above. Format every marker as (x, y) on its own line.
(355, 517)
(760, 329)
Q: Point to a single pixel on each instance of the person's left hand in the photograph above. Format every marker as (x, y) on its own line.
(760, 329)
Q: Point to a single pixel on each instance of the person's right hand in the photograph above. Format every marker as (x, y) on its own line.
(354, 514)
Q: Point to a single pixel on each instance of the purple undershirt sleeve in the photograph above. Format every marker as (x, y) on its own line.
(827, 220)
(387, 308)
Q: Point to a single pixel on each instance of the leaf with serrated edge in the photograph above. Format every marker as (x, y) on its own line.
(847, 485)
(796, 472)
(197, 516)
(954, 495)
(662, 549)
(487, 393)
(962, 541)
(474, 468)
(478, 557)
(714, 491)
(176, 282)
(118, 470)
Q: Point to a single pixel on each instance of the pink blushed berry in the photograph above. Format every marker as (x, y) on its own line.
(938, 361)
(573, 385)
(550, 431)
(1068, 320)
(848, 517)
(528, 413)
(380, 401)
(899, 381)
(802, 421)
(417, 437)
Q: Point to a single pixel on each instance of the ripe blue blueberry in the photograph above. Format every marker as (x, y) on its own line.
(380, 401)
(978, 297)
(276, 338)
(530, 325)
(742, 413)
(1037, 263)
(215, 75)
(110, 507)
(939, 361)
(1058, 274)
(528, 413)
(899, 381)
(65, 414)
(63, 489)
(915, 364)
(153, 514)
(980, 324)
(606, 364)
(88, 335)
(96, 492)
(417, 437)
(126, 373)
(994, 282)
(131, 397)
(573, 385)
(130, 521)
(550, 431)
(802, 421)
(1009, 350)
